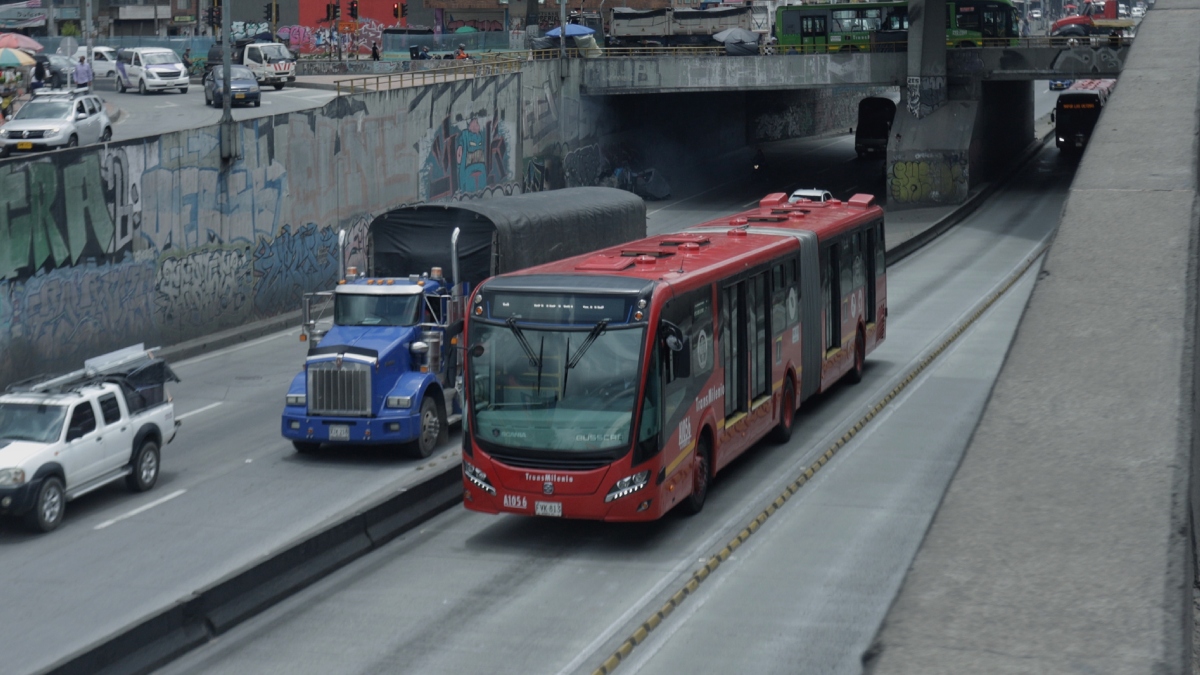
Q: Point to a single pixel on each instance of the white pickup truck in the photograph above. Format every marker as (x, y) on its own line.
(63, 437)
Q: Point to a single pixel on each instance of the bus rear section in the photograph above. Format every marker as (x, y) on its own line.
(1077, 111)
(614, 386)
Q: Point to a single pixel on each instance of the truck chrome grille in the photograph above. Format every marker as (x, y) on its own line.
(344, 391)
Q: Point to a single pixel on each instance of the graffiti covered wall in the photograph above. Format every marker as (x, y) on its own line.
(780, 115)
(157, 240)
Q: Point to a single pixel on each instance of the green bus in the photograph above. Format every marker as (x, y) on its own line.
(883, 26)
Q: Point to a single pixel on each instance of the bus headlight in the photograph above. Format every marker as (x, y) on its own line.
(297, 399)
(12, 476)
(399, 401)
(628, 485)
(478, 478)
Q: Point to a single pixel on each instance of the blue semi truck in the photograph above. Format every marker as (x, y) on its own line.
(384, 359)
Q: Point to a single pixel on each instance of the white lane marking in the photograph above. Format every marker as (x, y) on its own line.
(168, 105)
(140, 509)
(239, 347)
(197, 411)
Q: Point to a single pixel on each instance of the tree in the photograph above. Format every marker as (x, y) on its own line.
(69, 29)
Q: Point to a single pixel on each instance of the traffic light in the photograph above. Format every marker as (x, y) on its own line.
(404, 9)
(337, 11)
(216, 15)
(396, 9)
(329, 11)
(354, 9)
(267, 11)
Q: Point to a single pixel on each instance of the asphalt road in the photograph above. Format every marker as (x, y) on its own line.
(164, 112)
(232, 490)
(470, 592)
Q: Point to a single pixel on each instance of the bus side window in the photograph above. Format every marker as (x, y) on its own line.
(779, 290)
(880, 252)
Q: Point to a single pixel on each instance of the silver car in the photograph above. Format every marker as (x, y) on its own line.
(54, 120)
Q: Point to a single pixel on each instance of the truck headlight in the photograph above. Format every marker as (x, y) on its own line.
(628, 485)
(297, 399)
(399, 401)
(478, 478)
(12, 476)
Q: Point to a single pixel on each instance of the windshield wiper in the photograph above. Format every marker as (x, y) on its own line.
(516, 331)
(591, 337)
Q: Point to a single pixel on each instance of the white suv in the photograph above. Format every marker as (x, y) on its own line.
(151, 69)
(810, 194)
(56, 120)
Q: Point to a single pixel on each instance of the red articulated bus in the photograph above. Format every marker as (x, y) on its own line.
(614, 385)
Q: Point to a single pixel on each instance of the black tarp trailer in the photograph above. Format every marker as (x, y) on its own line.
(503, 234)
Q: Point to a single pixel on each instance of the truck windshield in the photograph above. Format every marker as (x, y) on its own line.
(31, 422)
(376, 310)
(570, 391)
(275, 52)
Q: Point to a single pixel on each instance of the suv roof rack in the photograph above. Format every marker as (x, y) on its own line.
(115, 365)
(46, 92)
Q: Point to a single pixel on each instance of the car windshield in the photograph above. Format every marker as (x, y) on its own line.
(160, 58)
(31, 422)
(556, 390)
(44, 110)
(275, 52)
(376, 310)
(235, 73)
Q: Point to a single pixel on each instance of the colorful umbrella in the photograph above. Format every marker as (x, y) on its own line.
(573, 30)
(14, 58)
(18, 41)
(466, 29)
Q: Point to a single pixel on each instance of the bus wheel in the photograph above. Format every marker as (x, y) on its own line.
(860, 351)
(700, 477)
(782, 432)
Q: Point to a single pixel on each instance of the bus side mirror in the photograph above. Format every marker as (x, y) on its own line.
(677, 343)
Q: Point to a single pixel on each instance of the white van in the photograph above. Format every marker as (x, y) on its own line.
(104, 61)
(150, 69)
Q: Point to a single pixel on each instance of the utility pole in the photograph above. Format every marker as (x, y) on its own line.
(88, 37)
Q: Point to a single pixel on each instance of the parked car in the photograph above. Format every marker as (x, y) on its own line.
(243, 87)
(60, 71)
(56, 120)
(150, 69)
(1138, 12)
(1035, 13)
(104, 61)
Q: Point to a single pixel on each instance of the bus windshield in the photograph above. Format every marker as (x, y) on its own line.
(31, 422)
(554, 389)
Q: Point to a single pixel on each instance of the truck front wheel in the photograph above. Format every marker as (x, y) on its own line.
(430, 431)
(49, 506)
(305, 448)
(278, 86)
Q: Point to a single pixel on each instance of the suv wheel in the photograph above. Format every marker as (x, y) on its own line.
(142, 87)
(107, 135)
(48, 507)
(145, 467)
(72, 141)
(119, 84)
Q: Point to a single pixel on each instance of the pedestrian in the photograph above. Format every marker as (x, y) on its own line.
(187, 59)
(39, 77)
(374, 51)
(83, 74)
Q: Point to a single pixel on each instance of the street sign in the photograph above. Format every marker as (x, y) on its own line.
(347, 26)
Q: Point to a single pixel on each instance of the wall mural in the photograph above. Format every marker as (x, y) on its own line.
(156, 240)
(943, 178)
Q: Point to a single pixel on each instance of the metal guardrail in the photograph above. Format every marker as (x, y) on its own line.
(510, 62)
(481, 67)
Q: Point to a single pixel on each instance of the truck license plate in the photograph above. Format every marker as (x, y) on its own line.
(547, 509)
(339, 432)
(24, 145)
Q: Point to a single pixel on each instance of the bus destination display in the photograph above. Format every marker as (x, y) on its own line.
(559, 308)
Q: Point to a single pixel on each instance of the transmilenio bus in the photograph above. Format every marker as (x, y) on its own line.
(883, 26)
(614, 385)
(1077, 111)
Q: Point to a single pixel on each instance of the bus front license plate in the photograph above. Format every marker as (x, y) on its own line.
(339, 432)
(547, 509)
